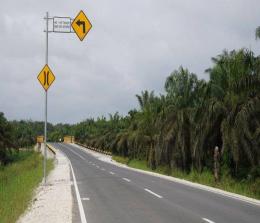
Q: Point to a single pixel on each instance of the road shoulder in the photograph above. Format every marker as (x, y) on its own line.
(52, 203)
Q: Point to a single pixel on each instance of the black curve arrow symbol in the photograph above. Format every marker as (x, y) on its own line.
(79, 23)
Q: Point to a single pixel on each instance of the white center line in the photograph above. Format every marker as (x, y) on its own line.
(207, 220)
(112, 173)
(85, 199)
(76, 154)
(103, 169)
(151, 192)
(97, 166)
(126, 179)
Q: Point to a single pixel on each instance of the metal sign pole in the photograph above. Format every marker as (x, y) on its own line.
(81, 25)
(46, 98)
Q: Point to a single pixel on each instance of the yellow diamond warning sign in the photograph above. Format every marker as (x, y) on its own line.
(46, 77)
(81, 25)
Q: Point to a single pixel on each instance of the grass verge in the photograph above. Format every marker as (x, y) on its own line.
(17, 183)
(227, 183)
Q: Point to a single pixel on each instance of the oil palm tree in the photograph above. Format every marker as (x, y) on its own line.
(181, 91)
(235, 88)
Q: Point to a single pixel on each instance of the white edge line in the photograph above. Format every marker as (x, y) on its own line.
(207, 220)
(151, 192)
(81, 210)
(126, 179)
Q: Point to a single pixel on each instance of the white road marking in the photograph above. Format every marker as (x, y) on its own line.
(112, 173)
(207, 220)
(85, 199)
(151, 192)
(76, 154)
(103, 169)
(188, 183)
(81, 210)
(126, 179)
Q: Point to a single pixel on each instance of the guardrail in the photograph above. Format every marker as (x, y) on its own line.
(51, 148)
(94, 149)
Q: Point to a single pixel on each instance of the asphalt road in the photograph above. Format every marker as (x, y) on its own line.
(111, 194)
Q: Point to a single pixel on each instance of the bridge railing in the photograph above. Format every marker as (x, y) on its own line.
(94, 149)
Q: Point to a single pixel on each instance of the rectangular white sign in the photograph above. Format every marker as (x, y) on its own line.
(61, 24)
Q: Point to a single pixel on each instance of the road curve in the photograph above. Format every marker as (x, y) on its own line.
(112, 194)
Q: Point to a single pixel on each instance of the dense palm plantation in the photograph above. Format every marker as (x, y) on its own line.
(181, 128)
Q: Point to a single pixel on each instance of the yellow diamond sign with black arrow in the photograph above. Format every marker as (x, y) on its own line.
(81, 25)
(46, 77)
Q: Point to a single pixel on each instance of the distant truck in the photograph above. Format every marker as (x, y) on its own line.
(68, 139)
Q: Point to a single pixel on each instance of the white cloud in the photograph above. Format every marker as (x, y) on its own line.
(134, 45)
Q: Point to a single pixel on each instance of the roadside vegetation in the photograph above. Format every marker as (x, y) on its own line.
(227, 183)
(20, 167)
(18, 181)
(178, 132)
(22, 134)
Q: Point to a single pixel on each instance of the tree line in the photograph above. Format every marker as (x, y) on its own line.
(179, 129)
(22, 134)
(182, 127)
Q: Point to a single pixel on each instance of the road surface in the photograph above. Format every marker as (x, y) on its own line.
(112, 194)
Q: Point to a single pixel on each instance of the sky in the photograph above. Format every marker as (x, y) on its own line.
(133, 46)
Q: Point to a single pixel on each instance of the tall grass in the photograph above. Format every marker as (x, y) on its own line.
(17, 183)
(244, 187)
